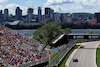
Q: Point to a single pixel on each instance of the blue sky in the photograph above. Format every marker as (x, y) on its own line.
(63, 6)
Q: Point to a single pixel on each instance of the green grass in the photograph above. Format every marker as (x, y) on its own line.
(53, 57)
(98, 57)
(63, 63)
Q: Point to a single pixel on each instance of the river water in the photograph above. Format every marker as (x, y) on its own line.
(74, 31)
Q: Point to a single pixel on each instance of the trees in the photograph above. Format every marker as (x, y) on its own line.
(67, 31)
(47, 32)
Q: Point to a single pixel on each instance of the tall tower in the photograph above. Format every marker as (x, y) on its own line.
(30, 14)
(18, 13)
(1, 16)
(97, 15)
(52, 14)
(6, 14)
(0, 12)
(49, 13)
(39, 14)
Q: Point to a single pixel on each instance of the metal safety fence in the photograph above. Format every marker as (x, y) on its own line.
(61, 54)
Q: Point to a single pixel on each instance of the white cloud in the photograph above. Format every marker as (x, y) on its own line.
(81, 4)
(58, 8)
(12, 7)
(78, 7)
(88, 4)
(35, 12)
(3, 1)
(24, 9)
(0, 7)
(58, 2)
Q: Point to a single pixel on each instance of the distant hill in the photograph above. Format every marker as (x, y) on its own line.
(79, 15)
(82, 13)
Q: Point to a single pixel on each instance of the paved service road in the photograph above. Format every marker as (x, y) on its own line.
(86, 56)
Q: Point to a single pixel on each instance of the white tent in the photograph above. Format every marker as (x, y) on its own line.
(13, 23)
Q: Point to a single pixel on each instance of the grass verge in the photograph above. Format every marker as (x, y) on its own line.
(63, 63)
(98, 57)
(53, 57)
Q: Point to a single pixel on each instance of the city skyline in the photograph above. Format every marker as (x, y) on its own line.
(63, 6)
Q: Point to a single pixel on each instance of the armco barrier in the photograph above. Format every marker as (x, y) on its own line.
(61, 60)
(57, 60)
(31, 64)
(70, 57)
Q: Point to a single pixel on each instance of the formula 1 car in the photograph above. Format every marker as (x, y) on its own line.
(81, 46)
(75, 60)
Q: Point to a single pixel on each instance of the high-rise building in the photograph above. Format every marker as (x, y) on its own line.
(6, 14)
(30, 14)
(69, 18)
(62, 18)
(18, 13)
(39, 14)
(1, 16)
(43, 18)
(52, 14)
(97, 15)
(49, 13)
(57, 17)
(30, 10)
(0, 12)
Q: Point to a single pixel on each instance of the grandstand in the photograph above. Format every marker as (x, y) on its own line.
(17, 50)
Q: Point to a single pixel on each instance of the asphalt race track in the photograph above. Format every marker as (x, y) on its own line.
(86, 56)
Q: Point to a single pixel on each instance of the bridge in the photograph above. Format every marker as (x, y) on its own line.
(64, 39)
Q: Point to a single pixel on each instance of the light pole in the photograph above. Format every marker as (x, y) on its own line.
(49, 57)
(1, 33)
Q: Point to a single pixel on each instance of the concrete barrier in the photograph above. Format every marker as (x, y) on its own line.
(70, 57)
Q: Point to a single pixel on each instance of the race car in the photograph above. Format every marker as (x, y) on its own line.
(81, 46)
(75, 60)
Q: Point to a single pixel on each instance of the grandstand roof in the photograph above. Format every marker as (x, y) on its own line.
(58, 38)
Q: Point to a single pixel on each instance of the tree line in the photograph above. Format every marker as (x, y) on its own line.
(49, 31)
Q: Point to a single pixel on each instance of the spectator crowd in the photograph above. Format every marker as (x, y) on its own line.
(12, 52)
